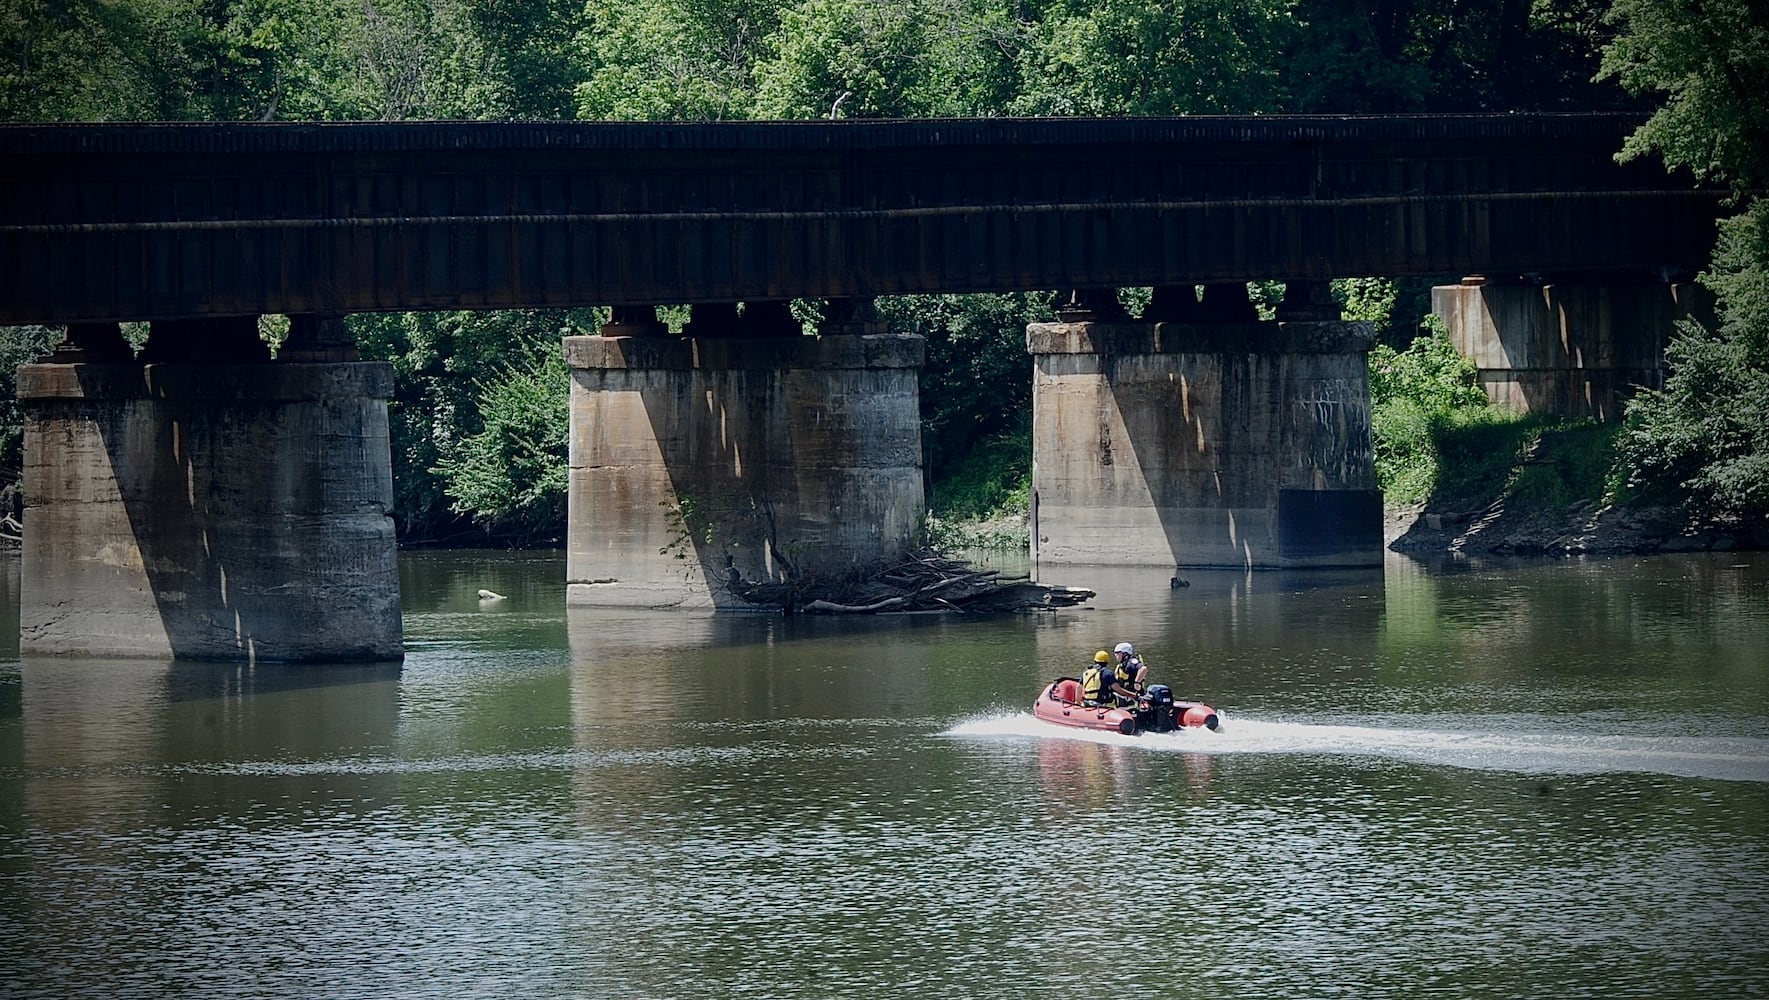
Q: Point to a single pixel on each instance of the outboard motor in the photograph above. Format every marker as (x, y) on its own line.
(1158, 708)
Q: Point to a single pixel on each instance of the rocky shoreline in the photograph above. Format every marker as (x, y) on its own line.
(1514, 529)
(1583, 528)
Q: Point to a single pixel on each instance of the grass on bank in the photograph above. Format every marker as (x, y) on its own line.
(1440, 443)
(984, 498)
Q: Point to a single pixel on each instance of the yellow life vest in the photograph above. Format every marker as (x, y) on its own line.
(1091, 679)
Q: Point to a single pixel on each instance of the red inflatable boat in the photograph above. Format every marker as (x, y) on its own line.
(1157, 712)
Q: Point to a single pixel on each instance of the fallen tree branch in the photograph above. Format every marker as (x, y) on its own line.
(888, 604)
(921, 581)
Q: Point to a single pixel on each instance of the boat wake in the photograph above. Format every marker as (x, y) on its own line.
(1516, 750)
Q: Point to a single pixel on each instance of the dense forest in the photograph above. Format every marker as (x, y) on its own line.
(479, 412)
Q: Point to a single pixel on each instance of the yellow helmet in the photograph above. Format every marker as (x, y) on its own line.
(1102, 657)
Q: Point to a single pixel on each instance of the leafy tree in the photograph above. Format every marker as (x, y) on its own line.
(1711, 60)
(977, 381)
(866, 58)
(301, 60)
(1413, 56)
(532, 48)
(511, 474)
(68, 62)
(676, 60)
(1152, 57)
(1705, 437)
(443, 363)
(1415, 396)
(1367, 299)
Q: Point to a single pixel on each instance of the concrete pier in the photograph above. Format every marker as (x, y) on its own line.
(209, 511)
(1572, 349)
(1203, 444)
(692, 458)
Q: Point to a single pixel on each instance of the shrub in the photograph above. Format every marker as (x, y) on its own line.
(1704, 438)
(1415, 395)
(511, 475)
(992, 479)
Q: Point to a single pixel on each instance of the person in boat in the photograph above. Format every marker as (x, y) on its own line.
(1098, 680)
(1131, 671)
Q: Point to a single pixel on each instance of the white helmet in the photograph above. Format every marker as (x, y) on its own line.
(1124, 647)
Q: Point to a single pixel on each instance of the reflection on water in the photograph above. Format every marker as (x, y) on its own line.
(136, 736)
(1460, 782)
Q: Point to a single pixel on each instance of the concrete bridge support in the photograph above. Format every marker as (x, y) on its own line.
(208, 511)
(1576, 349)
(1192, 444)
(768, 456)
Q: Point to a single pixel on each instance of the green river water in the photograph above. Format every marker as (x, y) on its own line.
(1503, 780)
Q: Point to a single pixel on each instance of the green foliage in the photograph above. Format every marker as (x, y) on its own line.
(864, 58)
(300, 60)
(19, 345)
(1438, 438)
(1420, 57)
(945, 535)
(1739, 280)
(978, 378)
(441, 363)
(1368, 300)
(683, 60)
(1416, 395)
(1429, 373)
(532, 53)
(1266, 296)
(1567, 460)
(689, 526)
(70, 61)
(1711, 60)
(1704, 438)
(991, 479)
(1543, 462)
(1475, 451)
(1151, 57)
(511, 473)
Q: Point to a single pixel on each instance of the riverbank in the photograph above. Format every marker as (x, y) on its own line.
(1585, 527)
(1508, 526)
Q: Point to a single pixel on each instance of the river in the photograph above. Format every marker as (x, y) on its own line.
(1546, 779)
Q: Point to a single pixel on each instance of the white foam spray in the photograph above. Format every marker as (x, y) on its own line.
(1518, 750)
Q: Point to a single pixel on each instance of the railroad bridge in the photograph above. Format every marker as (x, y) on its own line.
(242, 500)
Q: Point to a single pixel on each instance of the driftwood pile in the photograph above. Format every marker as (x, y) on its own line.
(921, 581)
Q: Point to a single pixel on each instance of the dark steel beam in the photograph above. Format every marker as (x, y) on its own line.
(104, 223)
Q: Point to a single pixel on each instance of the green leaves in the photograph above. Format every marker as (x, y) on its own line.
(1141, 57)
(299, 60)
(511, 474)
(977, 382)
(471, 389)
(1704, 438)
(866, 59)
(675, 60)
(1415, 395)
(1710, 59)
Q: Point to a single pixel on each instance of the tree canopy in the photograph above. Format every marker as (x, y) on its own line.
(1704, 438)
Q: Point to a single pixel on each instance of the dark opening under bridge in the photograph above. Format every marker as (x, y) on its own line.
(106, 223)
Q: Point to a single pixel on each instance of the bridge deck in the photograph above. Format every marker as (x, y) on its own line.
(129, 222)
